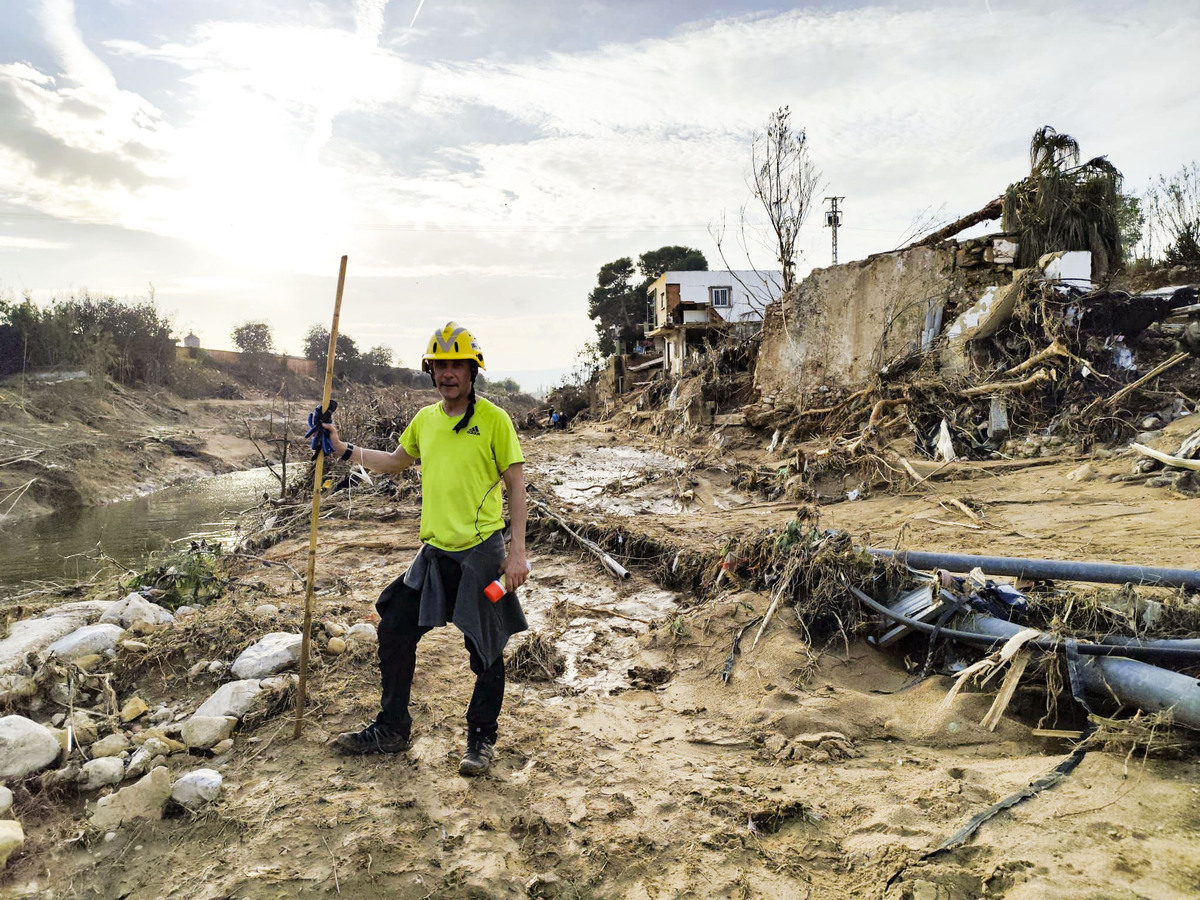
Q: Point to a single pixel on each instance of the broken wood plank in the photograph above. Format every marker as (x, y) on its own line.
(1065, 734)
(1015, 670)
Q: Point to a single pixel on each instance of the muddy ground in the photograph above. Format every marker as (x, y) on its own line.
(636, 773)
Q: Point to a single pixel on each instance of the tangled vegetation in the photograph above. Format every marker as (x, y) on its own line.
(129, 342)
(187, 577)
(1065, 205)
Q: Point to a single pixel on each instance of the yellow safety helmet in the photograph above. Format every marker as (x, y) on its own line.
(452, 342)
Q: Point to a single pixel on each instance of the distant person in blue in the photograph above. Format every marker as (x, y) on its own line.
(554, 418)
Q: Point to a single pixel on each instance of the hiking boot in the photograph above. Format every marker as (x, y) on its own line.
(478, 758)
(375, 738)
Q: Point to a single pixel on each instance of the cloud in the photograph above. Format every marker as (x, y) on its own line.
(286, 138)
(12, 242)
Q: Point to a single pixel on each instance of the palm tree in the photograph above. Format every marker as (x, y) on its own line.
(1063, 205)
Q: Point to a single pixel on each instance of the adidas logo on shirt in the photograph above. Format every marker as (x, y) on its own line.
(474, 429)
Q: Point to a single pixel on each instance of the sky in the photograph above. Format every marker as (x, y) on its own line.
(480, 160)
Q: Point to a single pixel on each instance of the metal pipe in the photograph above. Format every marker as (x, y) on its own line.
(1127, 681)
(1104, 573)
(1048, 643)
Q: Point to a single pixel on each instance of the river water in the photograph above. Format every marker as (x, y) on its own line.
(57, 547)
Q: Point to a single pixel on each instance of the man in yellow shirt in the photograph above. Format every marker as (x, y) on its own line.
(466, 447)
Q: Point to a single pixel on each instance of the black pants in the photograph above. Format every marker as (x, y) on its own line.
(399, 633)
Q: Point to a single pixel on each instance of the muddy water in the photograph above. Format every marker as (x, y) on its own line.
(622, 481)
(64, 545)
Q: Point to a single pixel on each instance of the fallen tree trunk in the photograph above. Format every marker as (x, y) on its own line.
(991, 211)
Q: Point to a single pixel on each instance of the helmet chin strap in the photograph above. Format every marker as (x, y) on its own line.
(462, 423)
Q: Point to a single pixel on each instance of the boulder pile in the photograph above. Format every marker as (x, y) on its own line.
(130, 760)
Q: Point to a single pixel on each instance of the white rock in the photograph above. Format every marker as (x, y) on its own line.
(12, 836)
(25, 747)
(182, 612)
(223, 746)
(110, 745)
(273, 653)
(98, 773)
(143, 800)
(202, 732)
(363, 631)
(266, 611)
(196, 788)
(335, 629)
(136, 610)
(87, 640)
(216, 667)
(34, 635)
(143, 758)
(6, 800)
(234, 698)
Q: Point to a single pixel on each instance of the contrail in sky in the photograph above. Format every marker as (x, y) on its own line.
(417, 13)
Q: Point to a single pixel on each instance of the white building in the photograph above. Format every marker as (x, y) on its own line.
(685, 306)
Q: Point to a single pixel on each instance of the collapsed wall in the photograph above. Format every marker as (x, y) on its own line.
(841, 325)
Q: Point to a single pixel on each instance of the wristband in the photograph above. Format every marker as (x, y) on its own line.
(349, 450)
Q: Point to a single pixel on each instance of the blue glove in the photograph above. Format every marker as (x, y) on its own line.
(321, 442)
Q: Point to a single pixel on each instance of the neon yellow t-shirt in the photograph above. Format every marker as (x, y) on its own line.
(461, 502)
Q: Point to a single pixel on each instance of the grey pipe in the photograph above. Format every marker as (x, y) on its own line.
(1127, 681)
(1104, 573)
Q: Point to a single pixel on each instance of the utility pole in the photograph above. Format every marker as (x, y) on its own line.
(833, 218)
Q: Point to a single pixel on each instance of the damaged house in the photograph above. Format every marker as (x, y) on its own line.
(686, 308)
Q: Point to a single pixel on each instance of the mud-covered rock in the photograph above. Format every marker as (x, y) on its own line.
(197, 788)
(97, 773)
(89, 639)
(134, 708)
(25, 747)
(234, 698)
(142, 800)
(202, 732)
(15, 689)
(136, 610)
(12, 838)
(273, 653)
(110, 745)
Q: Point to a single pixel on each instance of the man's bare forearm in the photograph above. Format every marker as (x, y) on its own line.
(515, 568)
(517, 509)
(380, 460)
(376, 460)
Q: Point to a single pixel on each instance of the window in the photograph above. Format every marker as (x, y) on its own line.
(719, 296)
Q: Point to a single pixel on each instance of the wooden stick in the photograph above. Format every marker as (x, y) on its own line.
(591, 546)
(767, 618)
(1156, 371)
(318, 476)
